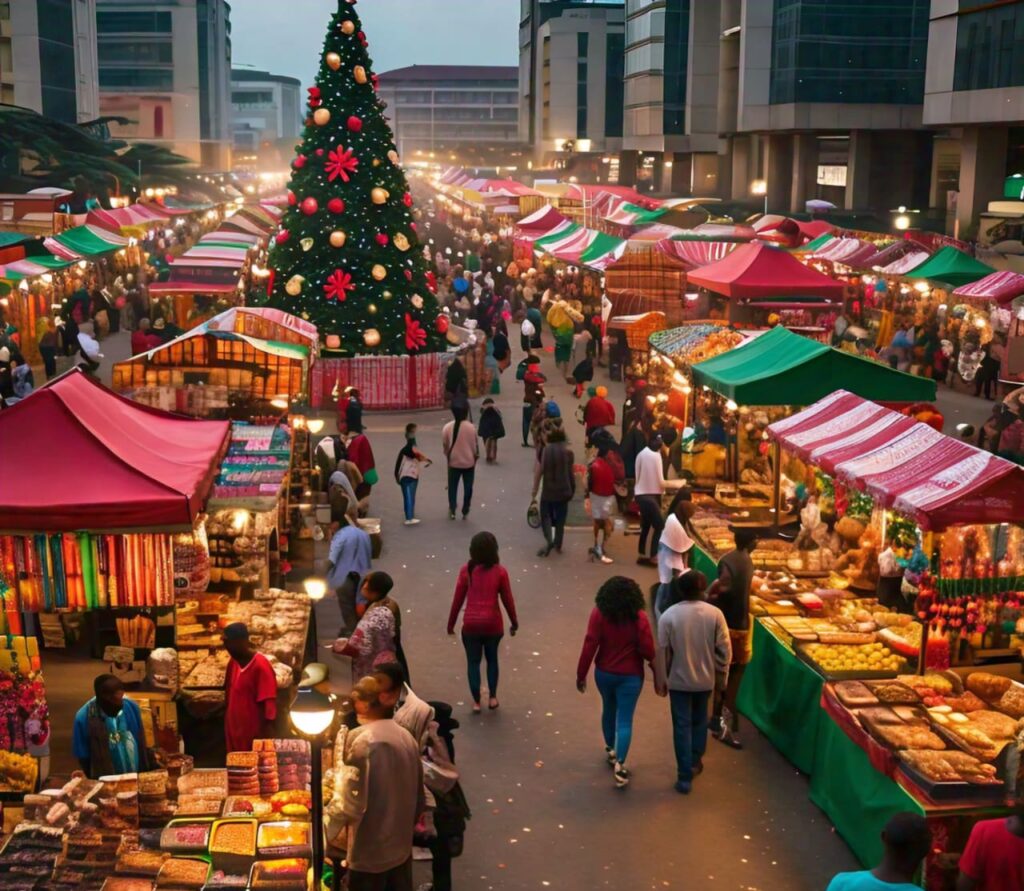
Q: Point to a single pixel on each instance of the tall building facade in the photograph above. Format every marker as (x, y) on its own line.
(572, 81)
(471, 111)
(48, 57)
(266, 119)
(823, 100)
(670, 131)
(165, 66)
(974, 98)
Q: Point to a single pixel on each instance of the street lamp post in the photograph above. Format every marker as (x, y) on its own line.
(760, 187)
(312, 714)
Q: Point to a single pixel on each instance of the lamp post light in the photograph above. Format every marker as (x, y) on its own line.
(312, 714)
(760, 187)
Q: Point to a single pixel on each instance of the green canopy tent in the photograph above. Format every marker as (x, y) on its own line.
(815, 245)
(951, 267)
(783, 368)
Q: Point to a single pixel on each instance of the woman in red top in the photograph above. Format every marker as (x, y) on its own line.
(482, 582)
(619, 635)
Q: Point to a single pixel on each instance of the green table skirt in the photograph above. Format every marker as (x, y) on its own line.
(781, 696)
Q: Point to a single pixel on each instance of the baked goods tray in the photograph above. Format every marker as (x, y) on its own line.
(857, 674)
(988, 793)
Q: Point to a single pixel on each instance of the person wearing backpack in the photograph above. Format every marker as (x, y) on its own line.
(407, 473)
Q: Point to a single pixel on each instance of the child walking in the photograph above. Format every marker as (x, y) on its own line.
(407, 473)
(491, 429)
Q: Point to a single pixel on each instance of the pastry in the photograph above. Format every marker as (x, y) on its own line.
(905, 736)
(183, 873)
(234, 837)
(989, 687)
(140, 863)
(993, 724)
(966, 703)
(1012, 702)
(853, 694)
(894, 693)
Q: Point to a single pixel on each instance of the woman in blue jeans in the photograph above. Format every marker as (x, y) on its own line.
(407, 473)
(619, 639)
(462, 451)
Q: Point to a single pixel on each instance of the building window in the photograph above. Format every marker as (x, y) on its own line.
(581, 99)
(252, 97)
(677, 53)
(136, 79)
(158, 122)
(56, 46)
(133, 22)
(614, 83)
(989, 49)
(849, 51)
(136, 53)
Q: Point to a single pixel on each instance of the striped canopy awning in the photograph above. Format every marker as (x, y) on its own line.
(1003, 287)
(84, 242)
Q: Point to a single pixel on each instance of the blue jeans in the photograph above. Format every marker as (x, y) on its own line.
(466, 474)
(409, 485)
(689, 730)
(477, 646)
(619, 693)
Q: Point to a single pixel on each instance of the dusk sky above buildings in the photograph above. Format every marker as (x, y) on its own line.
(286, 37)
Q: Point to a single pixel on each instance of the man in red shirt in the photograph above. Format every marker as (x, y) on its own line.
(251, 691)
(994, 857)
(601, 495)
(598, 412)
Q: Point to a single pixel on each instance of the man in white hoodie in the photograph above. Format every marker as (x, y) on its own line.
(650, 482)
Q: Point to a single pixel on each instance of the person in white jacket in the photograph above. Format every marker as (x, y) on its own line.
(650, 483)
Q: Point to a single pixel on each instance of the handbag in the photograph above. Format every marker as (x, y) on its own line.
(371, 478)
(533, 515)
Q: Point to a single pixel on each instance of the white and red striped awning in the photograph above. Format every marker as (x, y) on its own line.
(1003, 287)
(694, 254)
(903, 464)
(852, 252)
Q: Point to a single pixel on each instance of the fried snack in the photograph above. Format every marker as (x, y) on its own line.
(950, 767)
(894, 693)
(982, 746)
(967, 703)
(853, 694)
(120, 883)
(995, 725)
(989, 687)
(283, 835)
(183, 873)
(1012, 702)
(879, 715)
(243, 759)
(905, 736)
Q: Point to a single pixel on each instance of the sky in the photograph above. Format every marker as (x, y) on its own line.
(286, 36)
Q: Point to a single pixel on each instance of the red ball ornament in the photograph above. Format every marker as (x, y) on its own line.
(382, 239)
(441, 323)
(407, 199)
(299, 162)
(292, 200)
(314, 92)
(362, 38)
(355, 124)
(282, 236)
(375, 81)
(310, 206)
(408, 274)
(336, 205)
(412, 226)
(319, 153)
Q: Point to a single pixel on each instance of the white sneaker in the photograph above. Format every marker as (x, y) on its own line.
(412, 522)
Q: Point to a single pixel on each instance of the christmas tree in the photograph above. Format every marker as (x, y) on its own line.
(347, 257)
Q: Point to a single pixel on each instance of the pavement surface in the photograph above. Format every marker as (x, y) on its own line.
(545, 810)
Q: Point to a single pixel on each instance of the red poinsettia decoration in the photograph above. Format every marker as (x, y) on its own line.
(432, 281)
(338, 285)
(407, 199)
(415, 336)
(341, 162)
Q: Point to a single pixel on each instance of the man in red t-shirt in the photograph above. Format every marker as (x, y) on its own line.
(601, 495)
(598, 412)
(994, 857)
(251, 691)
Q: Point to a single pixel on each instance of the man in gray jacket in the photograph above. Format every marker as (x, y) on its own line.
(693, 657)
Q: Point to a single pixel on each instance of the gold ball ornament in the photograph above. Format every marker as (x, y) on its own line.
(305, 315)
(379, 195)
(348, 27)
(387, 295)
(376, 162)
(359, 73)
(401, 242)
(307, 244)
(416, 301)
(371, 337)
(372, 309)
(321, 117)
(333, 61)
(338, 238)
(378, 272)
(293, 287)
(393, 157)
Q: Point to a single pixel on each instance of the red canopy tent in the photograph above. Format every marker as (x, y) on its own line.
(693, 254)
(756, 270)
(541, 221)
(76, 456)
(1003, 287)
(904, 464)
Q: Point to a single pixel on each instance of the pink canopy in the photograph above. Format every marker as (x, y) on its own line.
(78, 457)
(541, 221)
(754, 271)
(850, 252)
(904, 464)
(693, 254)
(1003, 287)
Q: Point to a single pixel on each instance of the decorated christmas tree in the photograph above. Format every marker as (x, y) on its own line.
(347, 256)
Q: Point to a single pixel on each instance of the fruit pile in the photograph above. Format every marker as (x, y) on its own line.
(835, 658)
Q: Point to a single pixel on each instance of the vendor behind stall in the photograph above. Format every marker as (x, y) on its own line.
(108, 736)
(251, 690)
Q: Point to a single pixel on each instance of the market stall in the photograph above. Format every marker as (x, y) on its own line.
(234, 364)
(880, 678)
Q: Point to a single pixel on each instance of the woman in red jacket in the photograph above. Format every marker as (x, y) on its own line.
(619, 635)
(482, 582)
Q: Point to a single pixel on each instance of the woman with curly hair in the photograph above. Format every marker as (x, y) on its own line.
(619, 639)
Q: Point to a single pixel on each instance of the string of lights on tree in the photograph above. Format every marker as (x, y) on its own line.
(347, 256)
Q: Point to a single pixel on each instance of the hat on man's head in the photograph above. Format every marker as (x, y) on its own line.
(552, 410)
(236, 631)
